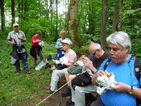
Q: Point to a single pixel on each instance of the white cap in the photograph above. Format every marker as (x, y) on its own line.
(66, 41)
(15, 24)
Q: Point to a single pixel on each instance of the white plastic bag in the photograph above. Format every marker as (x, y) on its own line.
(41, 43)
(105, 82)
(41, 64)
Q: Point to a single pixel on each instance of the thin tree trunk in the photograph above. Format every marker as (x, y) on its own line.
(67, 19)
(50, 9)
(103, 24)
(116, 16)
(120, 20)
(91, 18)
(73, 23)
(25, 9)
(19, 7)
(56, 18)
(22, 9)
(39, 8)
(13, 11)
(80, 14)
(2, 15)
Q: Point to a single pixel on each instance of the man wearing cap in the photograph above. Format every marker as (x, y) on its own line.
(99, 55)
(70, 58)
(17, 39)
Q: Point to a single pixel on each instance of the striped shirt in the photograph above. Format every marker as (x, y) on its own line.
(14, 36)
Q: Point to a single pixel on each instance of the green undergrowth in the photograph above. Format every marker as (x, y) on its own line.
(27, 89)
(16, 89)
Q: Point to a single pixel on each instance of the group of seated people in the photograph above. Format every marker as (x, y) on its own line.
(127, 87)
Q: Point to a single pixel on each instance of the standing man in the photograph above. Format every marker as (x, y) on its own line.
(121, 65)
(17, 39)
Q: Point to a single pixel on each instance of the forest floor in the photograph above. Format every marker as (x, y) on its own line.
(28, 89)
(56, 99)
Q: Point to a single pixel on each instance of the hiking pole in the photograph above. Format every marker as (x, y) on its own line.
(53, 93)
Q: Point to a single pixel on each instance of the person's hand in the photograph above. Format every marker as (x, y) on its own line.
(20, 38)
(13, 43)
(87, 62)
(88, 71)
(120, 87)
(100, 73)
(38, 40)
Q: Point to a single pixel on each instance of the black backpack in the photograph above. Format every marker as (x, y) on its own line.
(137, 71)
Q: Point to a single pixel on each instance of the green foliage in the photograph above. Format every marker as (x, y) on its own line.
(17, 89)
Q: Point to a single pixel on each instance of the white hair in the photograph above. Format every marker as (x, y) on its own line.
(96, 46)
(121, 38)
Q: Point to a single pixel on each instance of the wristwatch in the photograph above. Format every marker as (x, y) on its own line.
(131, 91)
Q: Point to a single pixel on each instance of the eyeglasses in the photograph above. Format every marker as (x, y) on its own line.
(93, 54)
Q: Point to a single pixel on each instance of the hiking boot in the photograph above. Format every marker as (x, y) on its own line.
(67, 93)
(48, 88)
(26, 70)
(69, 102)
(18, 72)
(49, 91)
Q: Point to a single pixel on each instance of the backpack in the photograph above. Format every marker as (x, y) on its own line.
(137, 71)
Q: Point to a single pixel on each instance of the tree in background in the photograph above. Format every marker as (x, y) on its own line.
(73, 23)
(2, 15)
(103, 24)
(13, 11)
(67, 19)
(116, 23)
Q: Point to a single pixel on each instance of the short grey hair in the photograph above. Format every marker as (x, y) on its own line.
(96, 46)
(121, 38)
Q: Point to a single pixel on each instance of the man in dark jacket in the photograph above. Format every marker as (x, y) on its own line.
(17, 39)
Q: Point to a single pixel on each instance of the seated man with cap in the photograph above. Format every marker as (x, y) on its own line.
(71, 58)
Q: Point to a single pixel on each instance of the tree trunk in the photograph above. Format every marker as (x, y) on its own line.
(50, 9)
(73, 23)
(22, 9)
(67, 19)
(91, 18)
(2, 15)
(25, 9)
(39, 9)
(120, 19)
(103, 24)
(13, 11)
(116, 16)
(56, 18)
(19, 7)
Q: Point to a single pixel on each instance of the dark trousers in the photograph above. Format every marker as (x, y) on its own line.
(38, 53)
(98, 102)
(23, 57)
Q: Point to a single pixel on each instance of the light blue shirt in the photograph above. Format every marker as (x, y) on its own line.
(123, 73)
(59, 44)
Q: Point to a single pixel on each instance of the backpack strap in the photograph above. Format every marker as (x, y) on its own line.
(137, 70)
(137, 67)
(107, 63)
